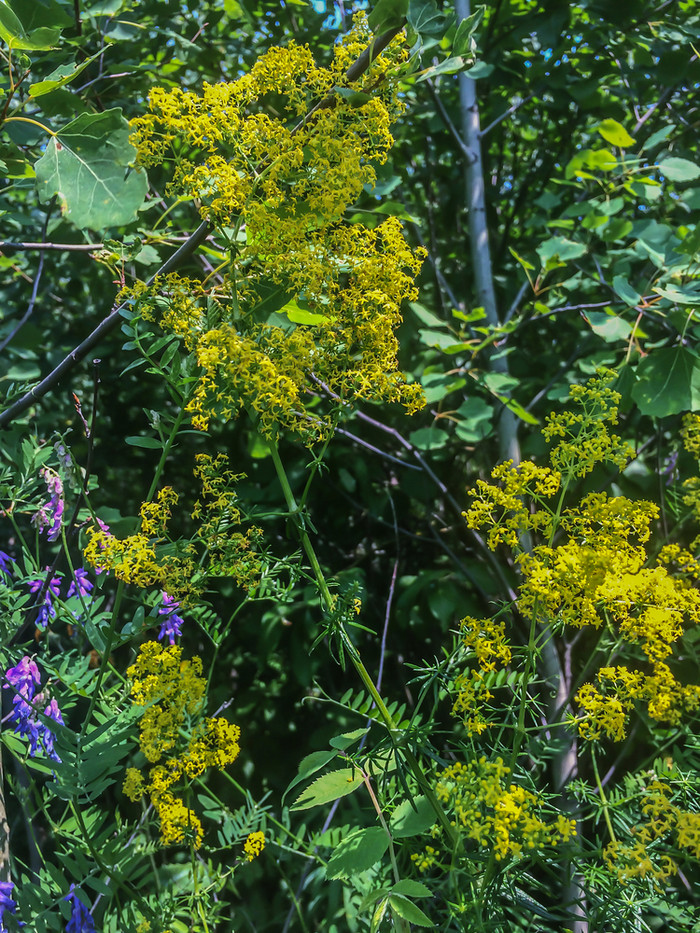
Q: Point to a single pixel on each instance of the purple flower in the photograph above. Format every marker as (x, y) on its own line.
(80, 919)
(6, 902)
(80, 585)
(171, 626)
(24, 677)
(50, 515)
(48, 738)
(46, 610)
(6, 565)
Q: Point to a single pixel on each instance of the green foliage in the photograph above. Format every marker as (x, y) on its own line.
(298, 535)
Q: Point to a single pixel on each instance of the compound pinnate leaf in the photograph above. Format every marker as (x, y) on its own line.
(86, 164)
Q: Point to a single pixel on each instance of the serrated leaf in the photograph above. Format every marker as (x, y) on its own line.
(411, 888)
(358, 852)
(409, 911)
(86, 164)
(679, 169)
(329, 787)
(346, 739)
(668, 382)
(411, 818)
(615, 133)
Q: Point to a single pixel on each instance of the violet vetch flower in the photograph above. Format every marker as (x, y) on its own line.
(80, 585)
(6, 902)
(80, 919)
(25, 678)
(46, 610)
(171, 626)
(6, 564)
(51, 515)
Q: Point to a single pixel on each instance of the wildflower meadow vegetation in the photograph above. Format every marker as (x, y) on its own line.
(349, 466)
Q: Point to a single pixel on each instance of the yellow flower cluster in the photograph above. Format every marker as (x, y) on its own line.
(134, 559)
(504, 817)
(486, 640)
(664, 822)
(240, 154)
(598, 575)
(285, 189)
(501, 508)
(229, 553)
(585, 438)
(175, 738)
(254, 845)
(690, 433)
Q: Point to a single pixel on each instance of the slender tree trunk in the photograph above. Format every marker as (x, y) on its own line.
(509, 448)
(564, 765)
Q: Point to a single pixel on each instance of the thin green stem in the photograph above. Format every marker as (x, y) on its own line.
(603, 798)
(361, 670)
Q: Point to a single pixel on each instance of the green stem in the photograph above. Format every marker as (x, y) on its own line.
(328, 601)
(603, 798)
(164, 453)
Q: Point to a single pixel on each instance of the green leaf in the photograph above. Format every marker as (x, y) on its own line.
(425, 18)
(409, 911)
(431, 438)
(386, 14)
(32, 25)
(346, 739)
(609, 326)
(300, 315)
(668, 382)
(615, 133)
(625, 291)
(681, 295)
(561, 248)
(61, 76)
(150, 442)
(411, 818)
(479, 70)
(309, 765)
(475, 420)
(411, 888)
(679, 169)
(462, 42)
(329, 787)
(86, 165)
(358, 852)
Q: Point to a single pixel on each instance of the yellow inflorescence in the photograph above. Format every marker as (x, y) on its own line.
(285, 185)
(134, 559)
(504, 817)
(485, 639)
(254, 845)
(598, 574)
(175, 738)
(664, 824)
